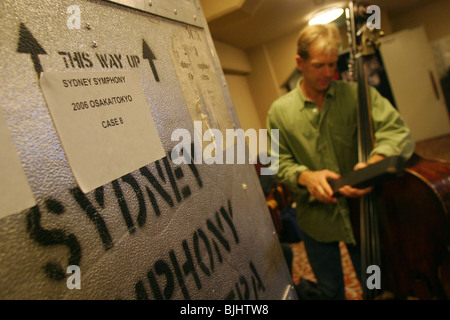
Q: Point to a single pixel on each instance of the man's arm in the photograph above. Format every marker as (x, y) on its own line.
(392, 135)
(288, 167)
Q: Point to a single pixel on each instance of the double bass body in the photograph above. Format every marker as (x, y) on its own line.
(414, 231)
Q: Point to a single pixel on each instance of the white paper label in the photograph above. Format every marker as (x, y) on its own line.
(104, 124)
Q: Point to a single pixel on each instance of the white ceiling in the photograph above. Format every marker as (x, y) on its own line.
(260, 21)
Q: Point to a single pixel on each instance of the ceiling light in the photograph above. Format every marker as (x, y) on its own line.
(326, 16)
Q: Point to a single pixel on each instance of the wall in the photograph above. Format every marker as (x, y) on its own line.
(434, 17)
(272, 63)
(236, 67)
(243, 101)
(262, 81)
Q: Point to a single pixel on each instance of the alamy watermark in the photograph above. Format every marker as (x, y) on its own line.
(74, 280)
(213, 151)
(374, 280)
(74, 20)
(374, 21)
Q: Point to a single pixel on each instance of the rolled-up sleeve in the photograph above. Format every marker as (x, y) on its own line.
(392, 135)
(288, 168)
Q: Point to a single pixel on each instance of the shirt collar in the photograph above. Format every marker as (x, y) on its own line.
(331, 92)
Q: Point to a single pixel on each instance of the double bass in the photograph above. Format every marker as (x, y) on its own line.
(403, 225)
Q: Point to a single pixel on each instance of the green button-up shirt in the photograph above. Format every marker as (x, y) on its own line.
(310, 139)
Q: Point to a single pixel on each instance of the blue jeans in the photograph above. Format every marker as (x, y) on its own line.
(326, 263)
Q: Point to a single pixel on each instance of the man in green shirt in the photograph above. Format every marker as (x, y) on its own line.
(317, 124)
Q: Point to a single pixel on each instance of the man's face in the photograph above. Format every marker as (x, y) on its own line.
(318, 70)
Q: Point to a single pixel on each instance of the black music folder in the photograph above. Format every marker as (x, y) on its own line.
(371, 175)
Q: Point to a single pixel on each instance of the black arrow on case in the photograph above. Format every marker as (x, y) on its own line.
(147, 53)
(28, 44)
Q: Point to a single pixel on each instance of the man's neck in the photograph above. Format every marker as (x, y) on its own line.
(313, 95)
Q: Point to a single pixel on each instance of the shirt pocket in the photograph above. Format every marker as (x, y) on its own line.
(344, 135)
(345, 143)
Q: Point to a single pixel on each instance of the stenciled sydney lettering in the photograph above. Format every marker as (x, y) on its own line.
(197, 258)
(162, 185)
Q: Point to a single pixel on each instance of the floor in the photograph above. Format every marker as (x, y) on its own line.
(301, 268)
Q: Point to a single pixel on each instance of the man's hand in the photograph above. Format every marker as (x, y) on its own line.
(350, 192)
(317, 184)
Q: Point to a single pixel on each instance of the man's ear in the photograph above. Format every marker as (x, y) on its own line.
(300, 62)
